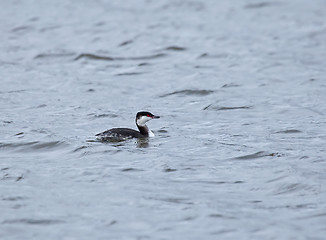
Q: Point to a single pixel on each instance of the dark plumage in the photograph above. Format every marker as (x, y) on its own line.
(126, 133)
(120, 132)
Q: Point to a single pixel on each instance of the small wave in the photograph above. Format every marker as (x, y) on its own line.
(7, 122)
(289, 131)
(50, 28)
(131, 170)
(22, 29)
(184, 5)
(221, 108)
(93, 57)
(13, 91)
(169, 170)
(257, 155)
(33, 221)
(108, 58)
(53, 55)
(318, 215)
(217, 215)
(143, 64)
(129, 73)
(162, 131)
(175, 48)
(103, 115)
(204, 66)
(292, 187)
(258, 5)
(208, 55)
(125, 43)
(189, 92)
(80, 148)
(13, 199)
(176, 200)
(32, 146)
(277, 179)
(41, 106)
(8, 177)
(229, 85)
(8, 174)
(215, 182)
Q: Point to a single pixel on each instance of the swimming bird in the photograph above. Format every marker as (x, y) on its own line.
(126, 133)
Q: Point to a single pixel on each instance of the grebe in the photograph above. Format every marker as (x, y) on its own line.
(125, 133)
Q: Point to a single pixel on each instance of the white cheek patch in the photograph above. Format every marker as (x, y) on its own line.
(141, 121)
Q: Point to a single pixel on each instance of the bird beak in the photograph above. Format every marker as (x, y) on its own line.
(156, 117)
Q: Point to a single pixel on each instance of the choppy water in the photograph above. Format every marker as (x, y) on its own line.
(239, 151)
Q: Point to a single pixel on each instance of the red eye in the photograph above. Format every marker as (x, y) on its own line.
(148, 115)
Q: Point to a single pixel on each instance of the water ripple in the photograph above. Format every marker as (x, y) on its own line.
(33, 221)
(188, 92)
(131, 170)
(32, 146)
(175, 48)
(292, 187)
(259, 154)
(221, 108)
(53, 55)
(259, 5)
(108, 58)
(103, 115)
(289, 131)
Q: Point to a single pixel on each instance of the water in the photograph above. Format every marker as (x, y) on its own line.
(239, 151)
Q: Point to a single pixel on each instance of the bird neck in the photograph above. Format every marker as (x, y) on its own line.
(143, 129)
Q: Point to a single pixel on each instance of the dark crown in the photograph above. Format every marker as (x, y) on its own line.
(148, 114)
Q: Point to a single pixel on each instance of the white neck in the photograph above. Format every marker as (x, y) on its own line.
(150, 133)
(141, 124)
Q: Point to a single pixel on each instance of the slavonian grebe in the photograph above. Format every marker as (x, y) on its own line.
(125, 133)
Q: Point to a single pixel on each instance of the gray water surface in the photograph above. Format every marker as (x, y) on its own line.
(239, 151)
